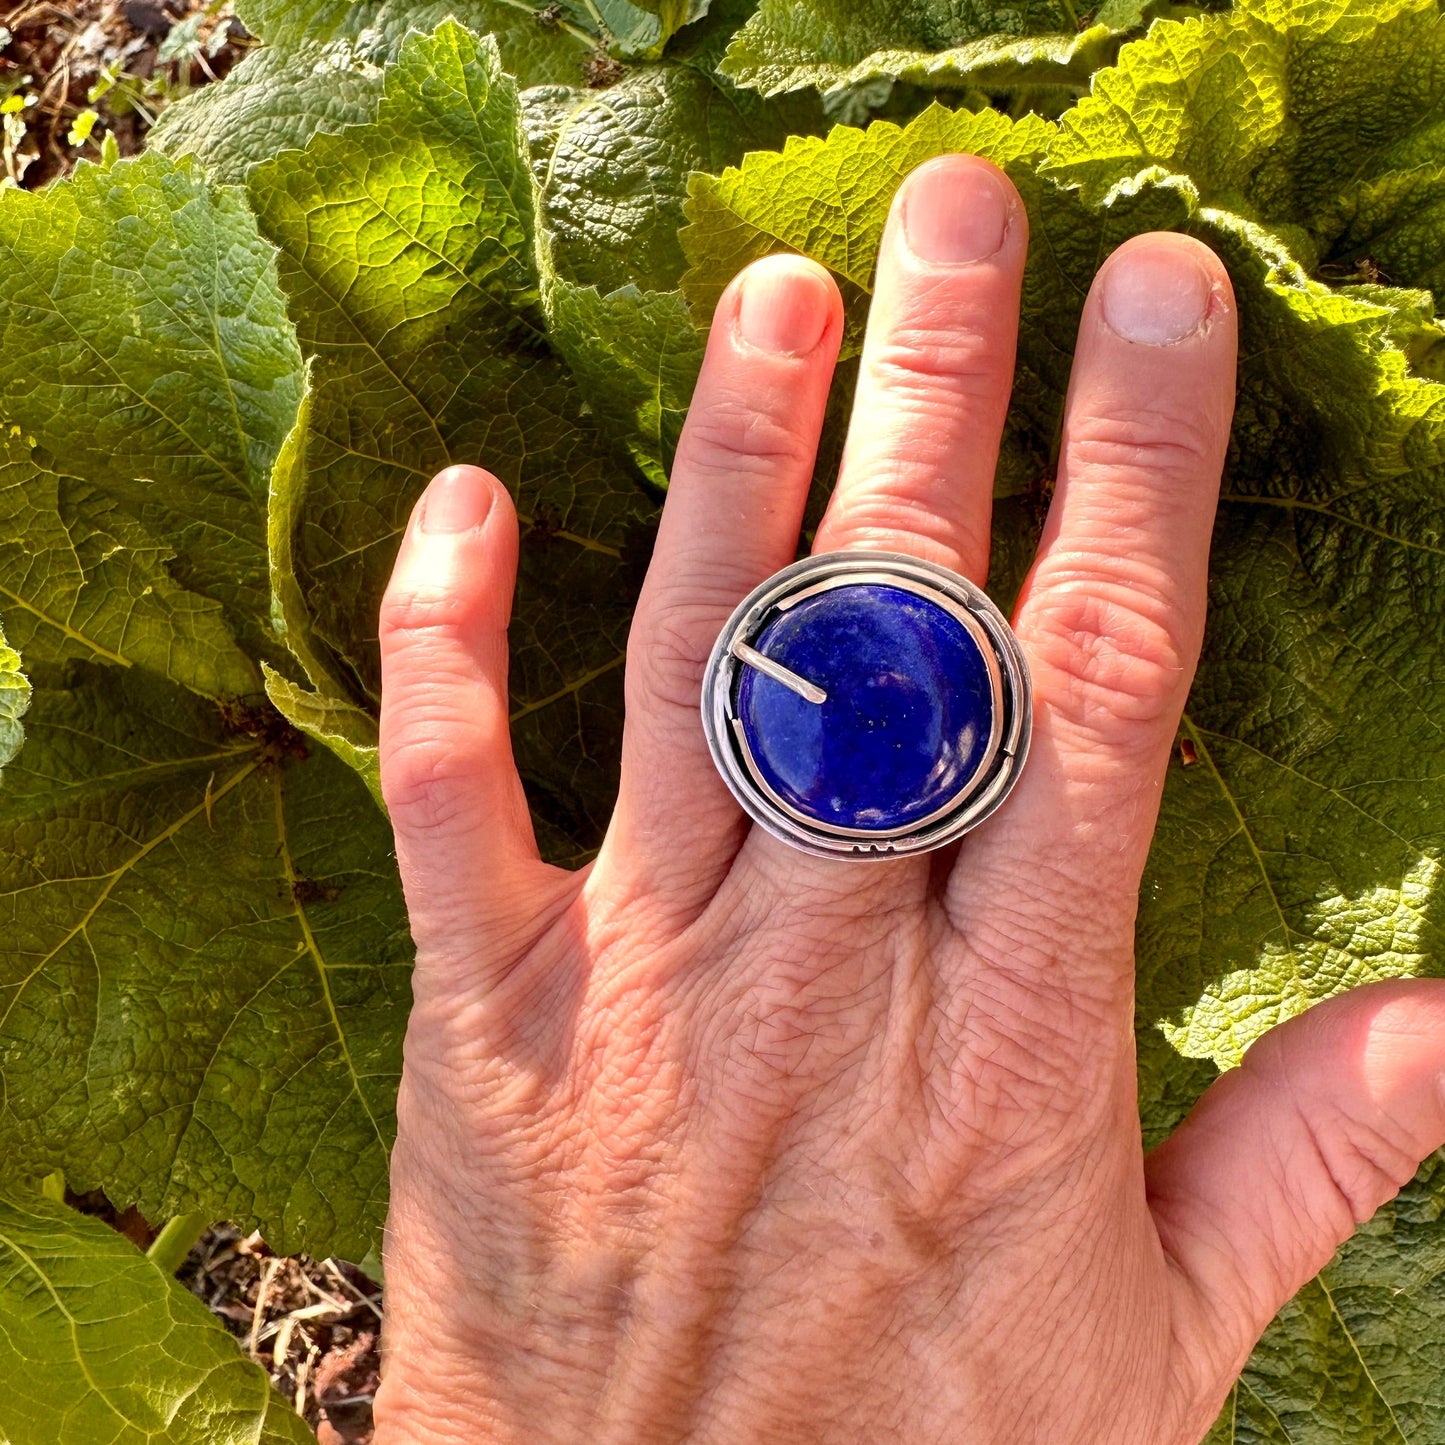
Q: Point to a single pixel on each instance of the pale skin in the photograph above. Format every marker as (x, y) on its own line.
(712, 1141)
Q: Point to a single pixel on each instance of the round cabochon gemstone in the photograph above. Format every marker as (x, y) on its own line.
(908, 715)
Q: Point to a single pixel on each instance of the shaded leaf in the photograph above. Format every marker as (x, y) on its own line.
(274, 100)
(323, 72)
(540, 44)
(349, 731)
(79, 578)
(144, 343)
(635, 355)
(616, 177)
(205, 976)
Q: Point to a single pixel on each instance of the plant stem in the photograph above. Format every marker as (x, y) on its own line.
(605, 35)
(53, 1186)
(176, 1240)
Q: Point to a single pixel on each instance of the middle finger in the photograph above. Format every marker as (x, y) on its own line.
(936, 371)
(928, 414)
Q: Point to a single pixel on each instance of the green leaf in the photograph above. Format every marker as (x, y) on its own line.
(409, 256)
(79, 578)
(616, 178)
(206, 973)
(14, 699)
(323, 72)
(635, 355)
(1354, 1356)
(144, 344)
(100, 1345)
(274, 100)
(349, 731)
(840, 44)
(635, 31)
(540, 44)
(644, 29)
(325, 710)
(1318, 118)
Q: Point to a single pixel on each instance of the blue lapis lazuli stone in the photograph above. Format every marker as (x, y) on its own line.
(908, 716)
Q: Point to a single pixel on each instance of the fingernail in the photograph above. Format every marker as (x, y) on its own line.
(1155, 295)
(456, 501)
(785, 307)
(955, 213)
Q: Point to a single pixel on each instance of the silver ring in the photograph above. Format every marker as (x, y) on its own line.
(867, 705)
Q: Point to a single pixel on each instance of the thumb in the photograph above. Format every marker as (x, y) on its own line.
(1327, 1118)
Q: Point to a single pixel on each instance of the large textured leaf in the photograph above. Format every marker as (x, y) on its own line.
(1320, 118)
(205, 972)
(79, 578)
(203, 980)
(1296, 853)
(613, 170)
(644, 29)
(616, 176)
(144, 343)
(635, 355)
(409, 255)
(324, 709)
(838, 44)
(274, 100)
(540, 44)
(323, 71)
(99, 1346)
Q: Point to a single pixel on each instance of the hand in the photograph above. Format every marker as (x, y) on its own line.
(716, 1141)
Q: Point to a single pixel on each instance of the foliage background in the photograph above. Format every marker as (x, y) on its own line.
(400, 234)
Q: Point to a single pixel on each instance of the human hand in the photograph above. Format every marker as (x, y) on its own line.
(717, 1141)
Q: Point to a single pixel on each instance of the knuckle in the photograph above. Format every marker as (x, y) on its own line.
(899, 509)
(420, 607)
(1350, 1155)
(1366, 1162)
(669, 669)
(421, 792)
(1149, 441)
(939, 362)
(1107, 652)
(678, 623)
(429, 770)
(737, 436)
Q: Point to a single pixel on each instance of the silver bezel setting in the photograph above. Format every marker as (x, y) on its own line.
(1008, 741)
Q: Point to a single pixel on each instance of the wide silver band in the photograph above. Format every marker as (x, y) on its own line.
(1008, 672)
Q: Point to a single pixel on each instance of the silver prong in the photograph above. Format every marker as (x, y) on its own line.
(775, 670)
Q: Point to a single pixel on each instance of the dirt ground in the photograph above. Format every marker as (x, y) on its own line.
(312, 1324)
(72, 76)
